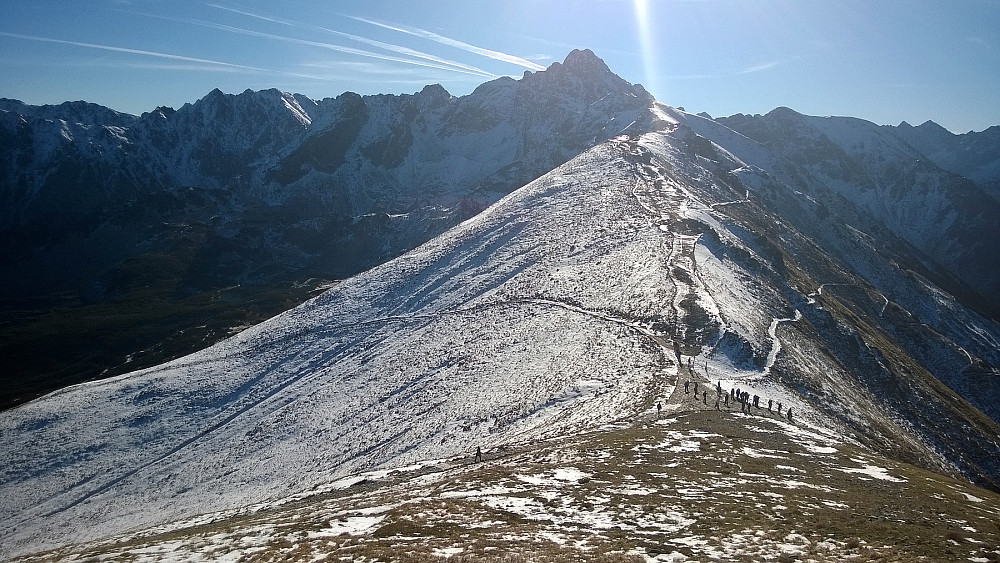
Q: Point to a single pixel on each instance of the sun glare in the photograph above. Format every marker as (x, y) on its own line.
(646, 45)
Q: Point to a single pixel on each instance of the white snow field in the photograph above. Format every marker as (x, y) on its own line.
(561, 309)
(526, 319)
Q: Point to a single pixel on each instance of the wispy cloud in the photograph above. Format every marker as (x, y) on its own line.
(424, 34)
(399, 49)
(216, 65)
(760, 67)
(980, 42)
(410, 52)
(250, 14)
(341, 48)
(773, 64)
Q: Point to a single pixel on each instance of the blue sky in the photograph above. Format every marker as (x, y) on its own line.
(881, 60)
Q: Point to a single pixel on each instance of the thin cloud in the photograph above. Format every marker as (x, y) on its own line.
(217, 65)
(979, 41)
(760, 67)
(424, 34)
(249, 14)
(410, 52)
(340, 48)
(364, 40)
(773, 64)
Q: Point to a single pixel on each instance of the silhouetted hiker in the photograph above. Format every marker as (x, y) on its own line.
(727, 399)
(479, 455)
(695, 389)
(789, 414)
(718, 388)
(769, 402)
(704, 397)
(659, 407)
(756, 402)
(779, 409)
(687, 385)
(718, 400)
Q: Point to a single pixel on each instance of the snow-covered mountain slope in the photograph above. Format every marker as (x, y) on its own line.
(297, 179)
(947, 217)
(581, 299)
(972, 155)
(264, 191)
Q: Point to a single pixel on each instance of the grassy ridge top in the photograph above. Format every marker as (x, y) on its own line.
(694, 485)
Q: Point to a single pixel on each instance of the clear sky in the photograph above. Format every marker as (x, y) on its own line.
(881, 60)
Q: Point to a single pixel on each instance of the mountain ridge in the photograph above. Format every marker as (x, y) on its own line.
(585, 297)
(233, 193)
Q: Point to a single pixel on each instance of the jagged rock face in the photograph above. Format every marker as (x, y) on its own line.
(287, 179)
(947, 217)
(972, 155)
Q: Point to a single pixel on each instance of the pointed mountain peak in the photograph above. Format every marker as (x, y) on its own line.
(581, 62)
(586, 76)
(932, 126)
(585, 59)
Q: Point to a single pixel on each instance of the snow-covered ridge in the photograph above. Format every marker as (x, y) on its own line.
(581, 299)
(672, 249)
(290, 176)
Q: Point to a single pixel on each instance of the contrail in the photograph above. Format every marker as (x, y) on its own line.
(423, 33)
(349, 50)
(411, 52)
(155, 54)
(372, 42)
(250, 14)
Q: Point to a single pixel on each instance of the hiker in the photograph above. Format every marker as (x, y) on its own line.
(695, 389)
(479, 455)
(779, 408)
(718, 388)
(727, 400)
(704, 397)
(687, 384)
(769, 402)
(789, 414)
(659, 407)
(756, 402)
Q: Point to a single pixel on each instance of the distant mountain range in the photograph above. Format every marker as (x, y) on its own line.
(545, 258)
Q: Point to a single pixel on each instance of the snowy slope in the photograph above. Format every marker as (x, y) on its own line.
(261, 191)
(575, 301)
(490, 329)
(972, 155)
(948, 218)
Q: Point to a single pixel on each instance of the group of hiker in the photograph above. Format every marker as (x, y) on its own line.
(747, 402)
